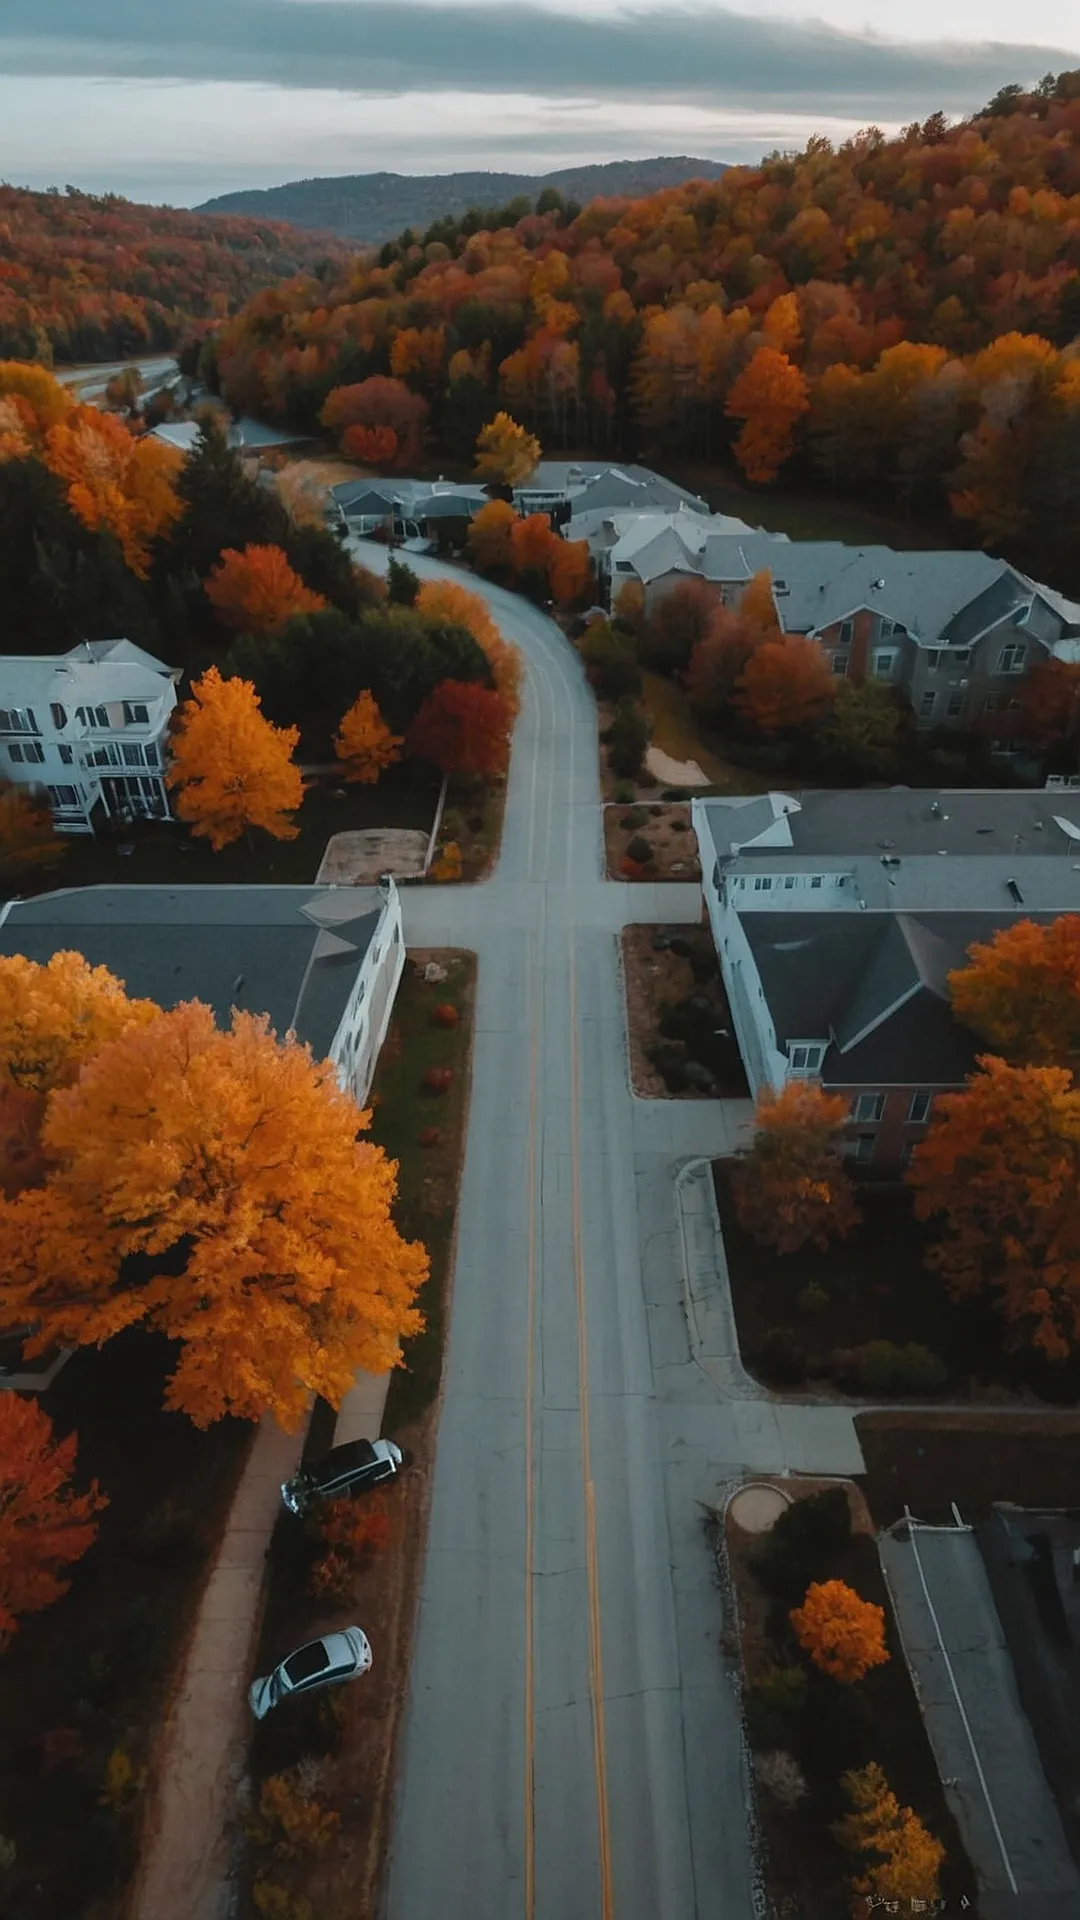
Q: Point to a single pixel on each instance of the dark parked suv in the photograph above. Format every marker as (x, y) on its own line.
(353, 1468)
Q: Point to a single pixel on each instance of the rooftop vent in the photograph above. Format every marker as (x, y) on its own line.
(890, 860)
(935, 810)
(1015, 892)
(877, 585)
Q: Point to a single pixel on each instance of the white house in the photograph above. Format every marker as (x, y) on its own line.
(645, 545)
(89, 727)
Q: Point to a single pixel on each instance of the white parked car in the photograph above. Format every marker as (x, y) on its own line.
(321, 1663)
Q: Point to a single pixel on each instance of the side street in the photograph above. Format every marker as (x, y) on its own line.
(591, 1052)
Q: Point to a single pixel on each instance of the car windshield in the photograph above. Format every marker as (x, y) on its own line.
(306, 1662)
(347, 1459)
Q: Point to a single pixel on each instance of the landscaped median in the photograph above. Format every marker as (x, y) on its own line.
(322, 1770)
(681, 1039)
(651, 840)
(850, 1806)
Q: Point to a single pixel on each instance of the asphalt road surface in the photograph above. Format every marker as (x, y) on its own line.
(571, 1746)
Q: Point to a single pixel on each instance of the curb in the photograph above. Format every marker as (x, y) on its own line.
(726, 1368)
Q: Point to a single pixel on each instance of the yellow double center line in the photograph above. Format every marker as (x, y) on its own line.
(596, 1667)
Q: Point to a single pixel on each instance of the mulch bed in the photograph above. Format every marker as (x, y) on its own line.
(806, 1872)
(928, 1460)
(655, 978)
(873, 1286)
(357, 1779)
(673, 851)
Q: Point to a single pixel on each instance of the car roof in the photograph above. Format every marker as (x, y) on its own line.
(344, 1459)
(309, 1660)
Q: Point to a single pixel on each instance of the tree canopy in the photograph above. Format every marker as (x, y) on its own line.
(791, 1185)
(45, 1525)
(231, 770)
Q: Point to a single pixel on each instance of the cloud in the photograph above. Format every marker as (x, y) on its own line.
(378, 46)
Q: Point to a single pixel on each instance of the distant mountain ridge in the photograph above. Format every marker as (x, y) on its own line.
(372, 207)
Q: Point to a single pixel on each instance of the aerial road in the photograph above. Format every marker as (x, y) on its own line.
(571, 1748)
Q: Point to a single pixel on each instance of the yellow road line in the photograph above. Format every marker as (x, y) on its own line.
(530, 1334)
(596, 1665)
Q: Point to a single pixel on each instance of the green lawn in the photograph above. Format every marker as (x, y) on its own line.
(801, 515)
(163, 853)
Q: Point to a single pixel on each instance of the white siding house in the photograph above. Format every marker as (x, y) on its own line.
(88, 727)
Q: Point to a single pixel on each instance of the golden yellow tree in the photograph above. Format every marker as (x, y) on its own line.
(54, 1017)
(489, 537)
(48, 402)
(505, 452)
(364, 742)
(452, 605)
(210, 1186)
(903, 1861)
(231, 770)
(115, 483)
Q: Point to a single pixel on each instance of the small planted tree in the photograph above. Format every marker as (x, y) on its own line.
(505, 452)
(364, 742)
(901, 1860)
(791, 1186)
(843, 1633)
(463, 730)
(257, 591)
(1021, 991)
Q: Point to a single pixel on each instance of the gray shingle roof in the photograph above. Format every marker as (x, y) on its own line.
(252, 947)
(907, 820)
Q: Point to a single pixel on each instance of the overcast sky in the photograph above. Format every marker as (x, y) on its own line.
(181, 100)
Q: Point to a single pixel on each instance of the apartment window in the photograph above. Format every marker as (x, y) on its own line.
(933, 658)
(840, 663)
(847, 632)
(868, 1107)
(960, 658)
(789, 882)
(762, 885)
(861, 1149)
(106, 756)
(992, 702)
(93, 716)
(17, 720)
(919, 1110)
(805, 1057)
(15, 753)
(1011, 659)
(816, 880)
(64, 796)
(33, 751)
(955, 706)
(886, 629)
(133, 757)
(927, 705)
(883, 665)
(59, 715)
(151, 756)
(67, 755)
(136, 714)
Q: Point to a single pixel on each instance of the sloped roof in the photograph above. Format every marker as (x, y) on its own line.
(98, 672)
(1020, 821)
(253, 947)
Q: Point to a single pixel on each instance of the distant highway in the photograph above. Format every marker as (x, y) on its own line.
(92, 381)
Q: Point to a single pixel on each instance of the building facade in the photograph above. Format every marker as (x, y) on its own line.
(89, 729)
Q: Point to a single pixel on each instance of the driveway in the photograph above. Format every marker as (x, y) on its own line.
(571, 1747)
(982, 1740)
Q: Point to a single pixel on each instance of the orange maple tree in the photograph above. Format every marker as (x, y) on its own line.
(45, 1526)
(505, 452)
(230, 769)
(257, 591)
(1021, 991)
(364, 742)
(211, 1186)
(786, 683)
(902, 1860)
(770, 396)
(115, 483)
(464, 730)
(488, 538)
(380, 402)
(718, 660)
(791, 1184)
(374, 446)
(1000, 1169)
(1050, 701)
(843, 1633)
(449, 604)
(54, 1017)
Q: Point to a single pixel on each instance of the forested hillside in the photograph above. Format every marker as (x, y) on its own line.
(895, 317)
(92, 278)
(375, 206)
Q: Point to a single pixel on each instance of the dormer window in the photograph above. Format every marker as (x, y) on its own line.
(59, 716)
(136, 713)
(806, 1056)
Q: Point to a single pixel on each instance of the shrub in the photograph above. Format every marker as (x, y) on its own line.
(813, 1298)
(783, 1777)
(639, 849)
(681, 946)
(475, 823)
(670, 1064)
(169, 1536)
(627, 739)
(804, 1544)
(631, 869)
(636, 818)
(122, 1781)
(883, 1367)
(277, 1903)
(782, 1356)
(656, 809)
(429, 1137)
(624, 790)
(438, 1079)
(444, 1015)
(680, 826)
(775, 1707)
(292, 1820)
